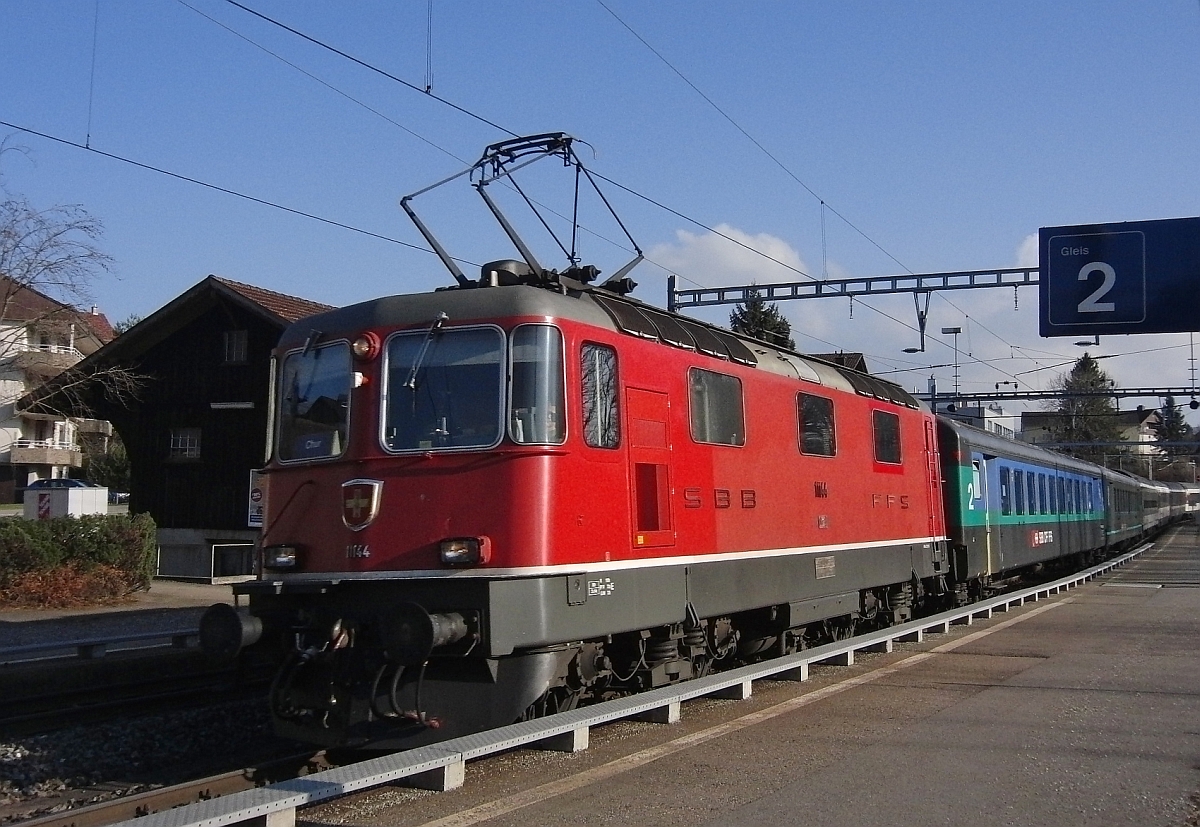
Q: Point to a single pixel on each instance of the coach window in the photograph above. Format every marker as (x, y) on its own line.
(716, 411)
(1062, 496)
(538, 404)
(1042, 493)
(886, 427)
(1005, 492)
(817, 435)
(598, 387)
(1019, 490)
(1031, 481)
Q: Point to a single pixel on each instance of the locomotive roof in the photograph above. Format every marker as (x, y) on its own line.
(593, 307)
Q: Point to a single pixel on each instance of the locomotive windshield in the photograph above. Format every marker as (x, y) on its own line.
(314, 402)
(444, 389)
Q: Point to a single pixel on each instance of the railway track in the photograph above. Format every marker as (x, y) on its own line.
(79, 807)
(43, 696)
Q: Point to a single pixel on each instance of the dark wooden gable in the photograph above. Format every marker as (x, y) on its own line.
(199, 423)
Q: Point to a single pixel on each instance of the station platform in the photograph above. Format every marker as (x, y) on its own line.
(1083, 709)
(168, 604)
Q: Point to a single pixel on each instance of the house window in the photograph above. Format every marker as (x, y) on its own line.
(235, 346)
(185, 443)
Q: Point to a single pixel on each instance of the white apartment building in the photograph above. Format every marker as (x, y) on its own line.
(39, 338)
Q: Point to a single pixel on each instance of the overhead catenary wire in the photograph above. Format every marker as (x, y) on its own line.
(372, 68)
(631, 191)
(215, 187)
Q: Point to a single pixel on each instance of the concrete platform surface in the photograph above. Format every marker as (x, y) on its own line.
(1083, 709)
(169, 604)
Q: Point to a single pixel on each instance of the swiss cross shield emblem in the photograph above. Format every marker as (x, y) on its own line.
(360, 502)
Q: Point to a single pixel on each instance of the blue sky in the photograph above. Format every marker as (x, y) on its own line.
(946, 133)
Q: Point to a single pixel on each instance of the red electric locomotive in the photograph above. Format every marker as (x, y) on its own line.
(491, 500)
(500, 499)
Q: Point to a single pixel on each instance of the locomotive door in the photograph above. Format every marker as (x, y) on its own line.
(932, 475)
(649, 467)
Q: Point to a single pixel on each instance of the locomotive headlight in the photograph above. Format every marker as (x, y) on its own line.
(465, 551)
(366, 347)
(279, 558)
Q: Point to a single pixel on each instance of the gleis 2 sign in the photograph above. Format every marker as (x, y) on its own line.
(1132, 277)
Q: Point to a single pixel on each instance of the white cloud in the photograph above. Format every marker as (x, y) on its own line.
(1028, 252)
(713, 261)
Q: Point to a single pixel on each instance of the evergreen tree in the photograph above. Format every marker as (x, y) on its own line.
(754, 317)
(1086, 418)
(1173, 428)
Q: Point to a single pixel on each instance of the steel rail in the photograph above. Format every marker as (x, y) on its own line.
(442, 766)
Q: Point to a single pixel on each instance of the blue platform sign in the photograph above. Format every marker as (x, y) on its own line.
(1133, 277)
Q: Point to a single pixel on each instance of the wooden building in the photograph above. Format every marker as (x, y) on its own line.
(198, 425)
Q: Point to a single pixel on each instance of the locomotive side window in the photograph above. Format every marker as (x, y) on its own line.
(1005, 491)
(598, 389)
(887, 436)
(538, 409)
(817, 436)
(1053, 497)
(1031, 481)
(443, 389)
(716, 408)
(1062, 496)
(1042, 494)
(314, 402)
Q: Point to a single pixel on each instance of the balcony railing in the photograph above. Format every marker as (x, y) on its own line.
(38, 348)
(55, 444)
(45, 452)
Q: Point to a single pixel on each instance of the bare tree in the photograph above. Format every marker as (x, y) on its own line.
(49, 261)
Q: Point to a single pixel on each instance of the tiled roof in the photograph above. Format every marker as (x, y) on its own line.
(25, 304)
(100, 325)
(289, 308)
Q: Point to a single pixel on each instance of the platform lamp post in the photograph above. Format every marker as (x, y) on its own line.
(954, 331)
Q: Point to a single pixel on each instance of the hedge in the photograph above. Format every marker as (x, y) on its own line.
(124, 544)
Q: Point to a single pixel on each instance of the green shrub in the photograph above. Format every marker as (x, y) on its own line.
(121, 543)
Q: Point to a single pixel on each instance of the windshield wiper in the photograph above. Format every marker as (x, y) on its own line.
(438, 321)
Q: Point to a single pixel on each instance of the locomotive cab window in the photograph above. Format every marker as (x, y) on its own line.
(817, 436)
(536, 414)
(598, 392)
(716, 411)
(444, 389)
(314, 402)
(886, 428)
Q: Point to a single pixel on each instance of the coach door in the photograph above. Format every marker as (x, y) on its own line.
(650, 467)
(985, 504)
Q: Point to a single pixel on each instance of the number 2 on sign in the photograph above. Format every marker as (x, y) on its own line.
(1092, 303)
